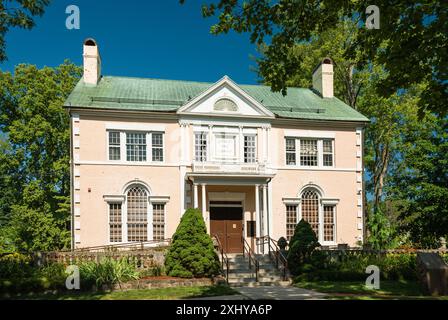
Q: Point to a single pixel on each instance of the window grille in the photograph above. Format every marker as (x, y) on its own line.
(290, 151)
(249, 149)
(114, 145)
(291, 220)
(308, 152)
(158, 212)
(200, 146)
(327, 152)
(135, 146)
(329, 226)
(115, 222)
(157, 147)
(310, 209)
(137, 214)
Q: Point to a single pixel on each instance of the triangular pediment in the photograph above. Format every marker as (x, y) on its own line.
(225, 98)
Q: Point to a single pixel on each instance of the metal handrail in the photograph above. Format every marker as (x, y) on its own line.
(276, 255)
(224, 259)
(127, 245)
(251, 255)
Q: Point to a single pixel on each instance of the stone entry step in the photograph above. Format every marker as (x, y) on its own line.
(240, 274)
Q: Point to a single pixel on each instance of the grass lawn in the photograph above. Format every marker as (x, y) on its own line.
(173, 293)
(357, 290)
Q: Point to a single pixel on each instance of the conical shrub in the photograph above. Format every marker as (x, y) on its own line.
(191, 253)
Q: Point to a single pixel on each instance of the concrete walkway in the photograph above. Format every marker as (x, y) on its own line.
(270, 293)
(279, 293)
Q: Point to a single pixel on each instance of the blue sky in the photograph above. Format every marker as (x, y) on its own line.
(155, 39)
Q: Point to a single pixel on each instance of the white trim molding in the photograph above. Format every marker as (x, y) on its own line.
(159, 199)
(291, 200)
(114, 198)
(329, 201)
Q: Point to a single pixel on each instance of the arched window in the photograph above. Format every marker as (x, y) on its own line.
(310, 209)
(137, 214)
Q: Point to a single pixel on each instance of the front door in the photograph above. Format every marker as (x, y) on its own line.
(227, 224)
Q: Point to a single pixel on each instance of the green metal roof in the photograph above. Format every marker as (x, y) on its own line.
(168, 95)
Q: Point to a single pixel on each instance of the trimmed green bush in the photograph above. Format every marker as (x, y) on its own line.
(15, 265)
(191, 253)
(301, 247)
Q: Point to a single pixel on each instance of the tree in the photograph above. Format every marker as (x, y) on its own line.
(412, 38)
(302, 244)
(18, 13)
(34, 167)
(191, 253)
(421, 177)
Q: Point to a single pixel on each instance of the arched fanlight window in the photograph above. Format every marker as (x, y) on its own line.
(137, 214)
(310, 209)
(225, 105)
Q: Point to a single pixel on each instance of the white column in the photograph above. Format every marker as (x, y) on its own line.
(195, 204)
(257, 213)
(203, 205)
(265, 215)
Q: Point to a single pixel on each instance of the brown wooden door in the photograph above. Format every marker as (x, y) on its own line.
(227, 224)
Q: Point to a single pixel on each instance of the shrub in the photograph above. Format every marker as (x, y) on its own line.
(191, 253)
(302, 245)
(107, 272)
(15, 265)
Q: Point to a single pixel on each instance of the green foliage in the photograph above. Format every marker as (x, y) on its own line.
(18, 13)
(34, 158)
(380, 231)
(191, 253)
(351, 267)
(14, 265)
(287, 23)
(301, 247)
(107, 272)
(19, 275)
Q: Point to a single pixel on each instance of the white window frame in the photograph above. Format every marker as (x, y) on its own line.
(320, 153)
(207, 145)
(254, 159)
(123, 146)
(164, 203)
(108, 145)
(334, 223)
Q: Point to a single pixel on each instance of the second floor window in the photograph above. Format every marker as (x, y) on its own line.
(309, 152)
(136, 146)
(114, 145)
(290, 151)
(157, 147)
(327, 149)
(200, 146)
(249, 149)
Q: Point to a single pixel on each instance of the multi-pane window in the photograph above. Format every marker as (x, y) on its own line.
(249, 149)
(114, 145)
(135, 146)
(115, 222)
(308, 152)
(290, 151)
(137, 214)
(291, 220)
(327, 150)
(157, 146)
(200, 146)
(310, 209)
(329, 223)
(158, 221)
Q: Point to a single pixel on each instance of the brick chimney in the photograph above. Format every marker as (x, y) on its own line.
(323, 78)
(92, 62)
